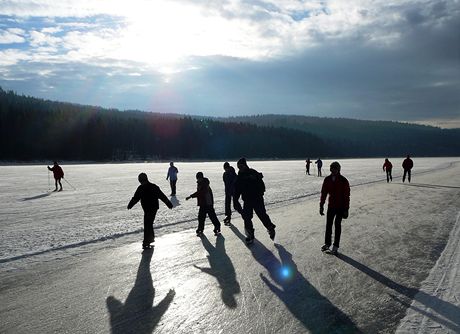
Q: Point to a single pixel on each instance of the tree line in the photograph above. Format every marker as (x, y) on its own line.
(37, 129)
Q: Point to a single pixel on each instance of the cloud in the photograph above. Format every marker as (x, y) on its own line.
(378, 59)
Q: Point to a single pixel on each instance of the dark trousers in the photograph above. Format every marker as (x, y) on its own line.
(228, 204)
(149, 235)
(333, 217)
(56, 183)
(319, 171)
(207, 210)
(308, 170)
(173, 186)
(406, 172)
(256, 205)
(389, 177)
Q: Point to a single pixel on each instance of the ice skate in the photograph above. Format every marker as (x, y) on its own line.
(324, 248)
(227, 220)
(335, 250)
(272, 233)
(249, 240)
(216, 232)
(199, 233)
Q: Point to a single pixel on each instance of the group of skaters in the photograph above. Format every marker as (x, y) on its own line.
(249, 185)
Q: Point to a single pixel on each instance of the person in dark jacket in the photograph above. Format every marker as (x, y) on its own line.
(338, 189)
(172, 176)
(250, 186)
(319, 165)
(407, 166)
(148, 193)
(205, 200)
(387, 167)
(58, 174)
(229, 178)
(307, 166)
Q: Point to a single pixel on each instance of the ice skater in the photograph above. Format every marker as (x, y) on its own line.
(319, 165)
(251, 187)
(148, 193)
(58, 174)
(229, 178)
(387, 167)
(407, 166)
(338, 189)
(307, 166)
(205, 201)
(172, 176)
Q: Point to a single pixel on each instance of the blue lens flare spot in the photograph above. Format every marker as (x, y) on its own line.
(285, 272)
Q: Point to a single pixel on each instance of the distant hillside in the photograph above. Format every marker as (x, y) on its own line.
(34, 129)
(350, 137)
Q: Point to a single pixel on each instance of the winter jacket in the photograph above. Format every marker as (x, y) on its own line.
(203, 193)
(172, 173)
(149, 193)
(338, 190)
(407, 164)
(249, 185)
(319, 162)
(387, 166)
(229, 180)
(58, 173)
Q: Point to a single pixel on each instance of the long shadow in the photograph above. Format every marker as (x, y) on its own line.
(221, 267)
(137, 315)
(426, 185)
(303, 300)
(446, 309)
(36, 197)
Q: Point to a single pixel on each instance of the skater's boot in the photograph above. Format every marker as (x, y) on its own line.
(146, 246)
(60, 189)
(216, 232)
(55, 189)
(335, 250)
(324, 248)
(199, 233)
(227, 220)
(249, 240)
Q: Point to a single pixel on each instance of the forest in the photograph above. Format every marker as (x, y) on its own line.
(36, 129)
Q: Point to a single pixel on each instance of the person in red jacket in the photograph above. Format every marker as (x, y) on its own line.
(407, 166)
(205, 201)
(149, 194)
(387, 167)
(338, 189)
(58, 174)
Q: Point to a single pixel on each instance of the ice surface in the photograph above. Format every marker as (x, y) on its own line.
(34, 219)
(399, 252)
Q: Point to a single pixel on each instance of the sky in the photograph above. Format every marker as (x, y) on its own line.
(366, 59)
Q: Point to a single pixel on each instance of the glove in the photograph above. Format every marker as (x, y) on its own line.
(321, 210)
(170, 206)
(187, 198)
(128, 207)
(345, 214)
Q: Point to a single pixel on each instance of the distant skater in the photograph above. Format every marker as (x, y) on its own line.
(172, 176)
(229, 178)
(148, 193)
(58, 174)
(307, 166)
(251, 187)
(205, 201)
(407, 166)
(387, 167)
(319, 165)
(338, 189)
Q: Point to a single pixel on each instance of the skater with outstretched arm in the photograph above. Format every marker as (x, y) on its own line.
(338, 189)
(205, 200)
(250, 186)
(172, 176)
(387, 167)
(58, 174)
(229, 178)
(149, 194)
(319, 165)
(407, 165)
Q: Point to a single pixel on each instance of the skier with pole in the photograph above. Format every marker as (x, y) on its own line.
(58, 174)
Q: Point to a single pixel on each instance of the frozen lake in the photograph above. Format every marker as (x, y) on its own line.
(34, 220)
